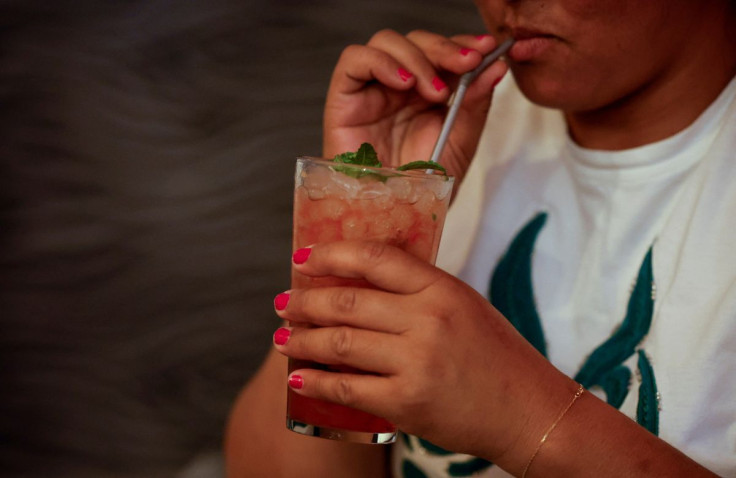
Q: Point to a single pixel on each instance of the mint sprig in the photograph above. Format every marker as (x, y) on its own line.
(365, 156)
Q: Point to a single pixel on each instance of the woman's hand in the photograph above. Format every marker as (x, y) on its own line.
(445, 364)
(393, 93)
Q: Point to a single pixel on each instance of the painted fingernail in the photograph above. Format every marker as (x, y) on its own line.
(281, 300)
(301, 255)
(404, 75)
(281, 336)
(482, 37)
(465, 51)
(438, 84)
(296, 382)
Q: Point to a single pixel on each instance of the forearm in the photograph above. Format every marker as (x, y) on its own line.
(259, 445)
(594, 439)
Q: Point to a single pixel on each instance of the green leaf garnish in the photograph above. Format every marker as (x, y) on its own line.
(422, 165)
(365, 156)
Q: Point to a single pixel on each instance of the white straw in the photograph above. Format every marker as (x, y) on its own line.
(459, 94)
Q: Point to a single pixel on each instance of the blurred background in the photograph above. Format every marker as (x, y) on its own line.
(146, 167)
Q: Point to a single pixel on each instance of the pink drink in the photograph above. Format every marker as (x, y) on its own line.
(404, 209)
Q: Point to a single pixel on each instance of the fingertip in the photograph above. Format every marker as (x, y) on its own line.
(281, 336)
(300, 256)
(485, 43)
(438, 84)
(296, 381)
(493, 75)
(404, 74)
(281, 300)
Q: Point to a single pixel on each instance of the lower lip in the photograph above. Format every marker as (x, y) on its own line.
(530, 48)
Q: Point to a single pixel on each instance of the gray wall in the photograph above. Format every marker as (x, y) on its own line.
(146, 154)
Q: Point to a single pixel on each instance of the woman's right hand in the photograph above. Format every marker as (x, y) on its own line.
(393, 93)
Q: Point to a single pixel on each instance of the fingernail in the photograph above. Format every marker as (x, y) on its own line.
(296, 382)
(281, 300)
(301, 255)
(465, 51)
(438, 84)
(497, 81)
(281, 336)
(482, 37)
(404, 75)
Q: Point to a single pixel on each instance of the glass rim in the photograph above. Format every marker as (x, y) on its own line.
(383, 171)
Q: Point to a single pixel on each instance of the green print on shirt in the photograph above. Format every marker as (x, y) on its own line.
(460, 465)
(512, 293)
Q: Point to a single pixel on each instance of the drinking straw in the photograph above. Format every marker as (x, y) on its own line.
(457, 98)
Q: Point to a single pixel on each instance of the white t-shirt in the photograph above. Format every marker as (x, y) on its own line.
(604, 212)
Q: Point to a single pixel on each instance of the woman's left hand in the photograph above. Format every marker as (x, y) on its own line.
(445, 365)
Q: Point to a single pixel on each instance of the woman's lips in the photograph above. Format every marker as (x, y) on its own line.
(530, 45)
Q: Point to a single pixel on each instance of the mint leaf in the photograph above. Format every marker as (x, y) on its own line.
(365, 156)
(422, 165)
(348, 157)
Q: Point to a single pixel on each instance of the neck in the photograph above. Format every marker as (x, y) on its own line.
(670, 102)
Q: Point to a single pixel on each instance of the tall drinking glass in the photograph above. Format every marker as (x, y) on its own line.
(336, 201)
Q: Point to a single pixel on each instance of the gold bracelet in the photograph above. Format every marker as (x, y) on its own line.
(552, 427)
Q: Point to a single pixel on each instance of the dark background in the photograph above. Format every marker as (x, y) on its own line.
(146, 156)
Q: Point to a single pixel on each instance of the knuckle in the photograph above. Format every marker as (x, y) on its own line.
(374, 251)
(342, 341)
(416, 32)
(344, 300)
(381, 34)
(344, 392)
(349, 51)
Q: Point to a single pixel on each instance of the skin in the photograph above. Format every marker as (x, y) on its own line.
(447, 345)
(625, 73)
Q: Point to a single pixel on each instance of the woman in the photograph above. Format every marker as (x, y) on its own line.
(596, 217)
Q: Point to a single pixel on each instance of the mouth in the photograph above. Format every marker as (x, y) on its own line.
(530, 44)
(524, 33)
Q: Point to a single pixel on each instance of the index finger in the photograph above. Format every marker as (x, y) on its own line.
(384, 266)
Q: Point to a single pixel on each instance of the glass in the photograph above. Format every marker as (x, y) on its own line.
(336, 201)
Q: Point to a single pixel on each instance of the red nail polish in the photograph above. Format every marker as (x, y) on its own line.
(482, 37)
(296, 382)
(438, 84)
(465, 51)
(281, 300)
(281, 336)
(301, 255)
(404, 75)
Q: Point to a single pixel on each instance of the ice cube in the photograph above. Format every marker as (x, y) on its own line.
(426, 201)
(400, 187)
(330, 208)
(342, 185)
(372, 190)
(315, 180)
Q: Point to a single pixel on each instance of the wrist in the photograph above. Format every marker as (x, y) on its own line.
(542, 408)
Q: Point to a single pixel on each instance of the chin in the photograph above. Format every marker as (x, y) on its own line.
(556, 92)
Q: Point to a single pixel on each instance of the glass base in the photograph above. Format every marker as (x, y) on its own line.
(341, 435)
